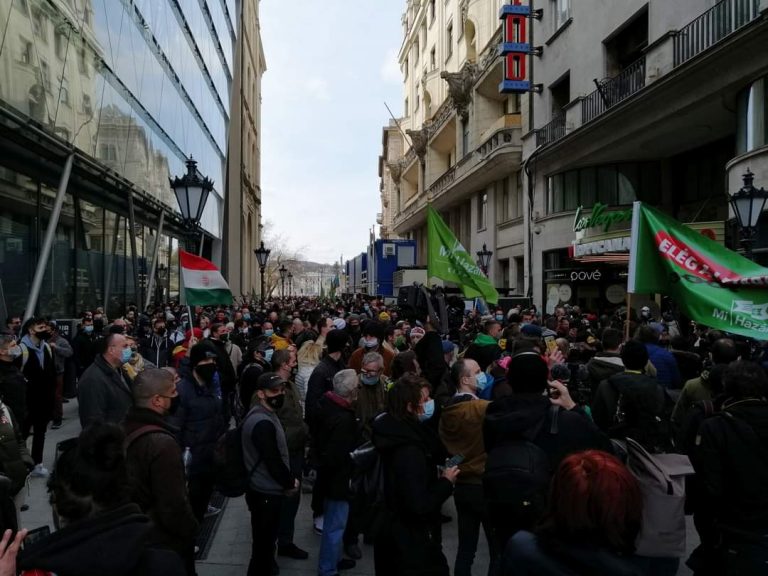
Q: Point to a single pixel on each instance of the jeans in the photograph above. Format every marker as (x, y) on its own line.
(36, 425)
(334, 521)
(265, 516)
(200, 488)
(472, 513)
(290, 505)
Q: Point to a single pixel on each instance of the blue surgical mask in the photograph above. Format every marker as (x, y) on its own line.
(126, 355)
(268, 354)
(429, 410)
(268, 333)
(247, 317)
(372, 343)
(88, 329)
(369, 380)
(499, 317)
(15, 351)
(482, 381)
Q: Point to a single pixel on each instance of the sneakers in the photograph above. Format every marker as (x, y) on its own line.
(318, 523)
(212, 511)
(346, 564)
(39, 471)
(353, 551)
(292, 551)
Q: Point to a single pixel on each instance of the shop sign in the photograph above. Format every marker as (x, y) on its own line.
(586, 275)
(607, 246)
(600, 217)
(515, 48)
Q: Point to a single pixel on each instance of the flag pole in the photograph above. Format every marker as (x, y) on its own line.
(629, 308)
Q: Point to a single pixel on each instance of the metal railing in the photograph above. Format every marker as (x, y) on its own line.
(611, 92)
(712, 26)
(552, 131)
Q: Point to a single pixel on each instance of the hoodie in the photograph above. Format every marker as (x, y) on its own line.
(115, 542)
(602, 367)
(484, 350)
(461, 432)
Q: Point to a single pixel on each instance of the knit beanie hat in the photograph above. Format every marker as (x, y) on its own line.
(336, 340)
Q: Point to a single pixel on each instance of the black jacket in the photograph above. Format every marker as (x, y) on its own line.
(41, 384)
(335, 434)
(601, 367)
(731, 461)
(483, 354)
(320, 382)
(227, 373)
(118, 542)
(13, 390)
(103, 395)
(429, 352)
(86, 349)
(156, 349)
(410, 452)
(512, 417)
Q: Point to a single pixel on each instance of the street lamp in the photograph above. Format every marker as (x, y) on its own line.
(290, 284)
(162, 276)
(192, 192)
(748, 204)
(262, 255)
(484, 259)
(283, 271)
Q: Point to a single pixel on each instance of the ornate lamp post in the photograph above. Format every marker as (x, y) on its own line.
(748, 204)
(262, 255)
(192, 192)
(290, 284)
(484, 259)
(162, 276)
(283, 271)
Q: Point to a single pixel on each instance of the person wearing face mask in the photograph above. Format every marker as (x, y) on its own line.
(13, 385)
(154, 461)
(85, 345)
(38, 367)
(371, 400)
(336, 433)
(157, 346)
(408, 541)
(461, 432)
(200, 421)
(373, 336)
(227, 374)
(103, 393)
(265, 452)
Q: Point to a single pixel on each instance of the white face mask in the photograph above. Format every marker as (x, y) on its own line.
(14, 351)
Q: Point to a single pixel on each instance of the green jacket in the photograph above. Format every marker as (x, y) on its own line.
(292, 419)
(695, 390)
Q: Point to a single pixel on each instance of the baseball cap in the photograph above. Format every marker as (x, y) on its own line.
(200, 352)
(269, 381)
(531, 330)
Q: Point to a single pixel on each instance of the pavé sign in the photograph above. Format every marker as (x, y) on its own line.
(586, 275)
(599, 217)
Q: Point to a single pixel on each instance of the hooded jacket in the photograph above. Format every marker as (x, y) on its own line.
(13, 390)
(731, 461)
(117, 542)
(461, 431)
(320, 382)
(603, 366)
(409, 453)
(484, 350)
(335, 434)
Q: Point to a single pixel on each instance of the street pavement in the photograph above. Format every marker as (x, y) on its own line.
(230, 551)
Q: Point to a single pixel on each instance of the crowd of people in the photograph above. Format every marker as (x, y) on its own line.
(528, 422)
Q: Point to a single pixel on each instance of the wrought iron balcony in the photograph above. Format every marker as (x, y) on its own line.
(552, 131)
(712, 26)
(613, 91)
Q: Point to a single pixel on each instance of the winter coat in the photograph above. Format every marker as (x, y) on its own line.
(689, 364)
(429, 352)
(356, 360)
(335, 434)
(156, 349)
(13, 390)
(528, 555)
(371, 401)
(158, 483)
(695, 390)
(408, 542)
(601, 367)
(484, 350)
(290, 416)
(667, 372)
(41, 383)
(85, 346)
(513, 417)
(61, 351)
(320, 382)
(117, 542)
(643, 401)
(461, 430)
(200, 421)
(227, 373)
(731, 461)
(15, 461)
(103, 394)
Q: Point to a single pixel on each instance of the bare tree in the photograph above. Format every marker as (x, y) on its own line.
(281, 253)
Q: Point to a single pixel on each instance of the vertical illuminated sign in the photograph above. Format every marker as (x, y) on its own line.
(515, 48)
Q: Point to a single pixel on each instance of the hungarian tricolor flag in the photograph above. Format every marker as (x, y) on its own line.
(203, 283)
(714, 286)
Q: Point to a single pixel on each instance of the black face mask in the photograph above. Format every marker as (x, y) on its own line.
(45, 335)
(160, 331)
(275, 402)
(224, 337)
(175, 403)
(206, 372)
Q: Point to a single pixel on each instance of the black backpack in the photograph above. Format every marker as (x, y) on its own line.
(644, 417)
(230, 474)
(517, 473)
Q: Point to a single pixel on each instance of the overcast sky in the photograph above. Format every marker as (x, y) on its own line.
(331, 65)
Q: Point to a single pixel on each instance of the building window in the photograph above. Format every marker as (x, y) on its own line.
(82, 63)
(465, 137)
(416, 52)
(519, 274)
(407, 67)
(432, 59)
(64, 91)
(405, 107)
(510, 193)
(562, 11)
(504, 265)
(431, 11)
(87, 108)
(26, 51)
(416, 103)
(45, 75)
(482, 211)
(109, 152)
(38, 25)
(21, 5)
(449, 41)
(60, 43)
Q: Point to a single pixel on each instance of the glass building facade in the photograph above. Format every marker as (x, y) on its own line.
(133, 88)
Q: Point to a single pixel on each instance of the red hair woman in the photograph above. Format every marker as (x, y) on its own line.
(590, 527)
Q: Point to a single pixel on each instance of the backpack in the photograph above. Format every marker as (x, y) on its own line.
(518, 473)
(231, 478)
(652, 417)
(367, 480)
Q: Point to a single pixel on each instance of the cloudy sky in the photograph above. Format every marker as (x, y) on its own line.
(331, 65)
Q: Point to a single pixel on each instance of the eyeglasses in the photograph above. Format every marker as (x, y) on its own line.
(370, 374)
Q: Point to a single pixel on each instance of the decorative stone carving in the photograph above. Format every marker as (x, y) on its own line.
(460, 86)
(419, 141)
(396, 170)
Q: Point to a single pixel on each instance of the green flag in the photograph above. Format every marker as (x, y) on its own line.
(712, 285)
(448, 260)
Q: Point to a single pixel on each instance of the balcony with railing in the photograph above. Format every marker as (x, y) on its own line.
(552, 131)
(613, 91)
(714, 25)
